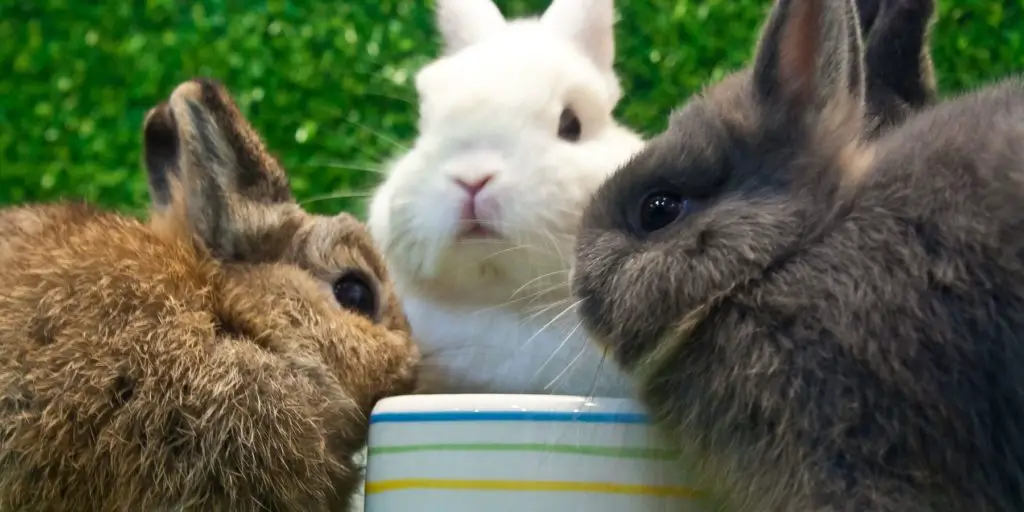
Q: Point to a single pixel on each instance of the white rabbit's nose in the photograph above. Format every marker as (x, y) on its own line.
(473, 187)
(473, 223)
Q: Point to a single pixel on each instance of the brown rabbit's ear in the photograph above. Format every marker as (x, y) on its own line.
(809, 60)
(205, 159)
(160, 143)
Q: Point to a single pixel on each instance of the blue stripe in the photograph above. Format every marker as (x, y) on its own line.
(582, 417)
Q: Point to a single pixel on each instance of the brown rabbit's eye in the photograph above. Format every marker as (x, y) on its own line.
(569, 128)
(354, 293)
(661, 209)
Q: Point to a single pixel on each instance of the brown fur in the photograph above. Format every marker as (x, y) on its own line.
(197, 360)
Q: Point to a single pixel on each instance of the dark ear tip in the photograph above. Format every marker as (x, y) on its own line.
(204, 91)
(191, 90)
(160, 131)
(156, 115)
(160, 151)
(867, 12)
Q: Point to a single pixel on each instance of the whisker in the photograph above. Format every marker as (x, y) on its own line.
(553, 320)
(378, 134)
(391, 97)
(527, 298)
(336, 195)
(554, 353)
(347, 167)
(597, 372)
(554, 242)
(574, 360)
(498, 306)
(549, 307)
(538, 278)
(516, 247)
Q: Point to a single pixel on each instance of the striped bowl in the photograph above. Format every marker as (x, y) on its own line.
(498, 453)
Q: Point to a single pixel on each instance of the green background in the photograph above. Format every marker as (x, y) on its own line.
(328, 83)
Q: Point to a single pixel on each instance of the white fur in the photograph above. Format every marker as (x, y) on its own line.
(489, 313)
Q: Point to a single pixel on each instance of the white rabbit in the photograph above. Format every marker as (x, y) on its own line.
(478, 219)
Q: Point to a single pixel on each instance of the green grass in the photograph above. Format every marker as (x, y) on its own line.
(328, 83)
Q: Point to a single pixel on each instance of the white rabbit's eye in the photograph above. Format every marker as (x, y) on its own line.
(661, 209)
(569, 126)
(353, 292)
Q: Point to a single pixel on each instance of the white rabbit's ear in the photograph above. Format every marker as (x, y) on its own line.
(589, 24)
(464, 22)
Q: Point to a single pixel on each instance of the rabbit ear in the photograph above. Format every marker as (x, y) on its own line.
(867, 12)
(464, 22)
(589, 24)
(160, 143)
(897, 57)
(207, 164)
(809, 60)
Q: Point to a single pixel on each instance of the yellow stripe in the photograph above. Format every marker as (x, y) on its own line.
(528, 485)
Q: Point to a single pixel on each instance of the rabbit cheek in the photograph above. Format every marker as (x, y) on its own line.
(611, 314)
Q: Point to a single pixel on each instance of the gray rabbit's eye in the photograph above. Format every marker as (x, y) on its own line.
(569, 128)
(353, 292)
(660, 209)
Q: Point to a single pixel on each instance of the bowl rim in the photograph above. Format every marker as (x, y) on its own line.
(507, 407)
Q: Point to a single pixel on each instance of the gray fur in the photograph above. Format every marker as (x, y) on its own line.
(839, 325)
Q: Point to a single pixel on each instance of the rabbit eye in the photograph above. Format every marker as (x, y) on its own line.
(353, 292)
(661, 209)
(569, 126)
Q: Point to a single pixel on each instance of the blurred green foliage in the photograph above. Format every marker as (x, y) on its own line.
(328, 83)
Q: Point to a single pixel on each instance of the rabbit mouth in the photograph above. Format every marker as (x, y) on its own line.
(475, 230)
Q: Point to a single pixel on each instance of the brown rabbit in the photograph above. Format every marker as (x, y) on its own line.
(223, 356)
(822, 323)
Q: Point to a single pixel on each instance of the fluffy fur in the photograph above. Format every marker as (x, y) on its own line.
(829, 324)
(493, 314)
(198, 360)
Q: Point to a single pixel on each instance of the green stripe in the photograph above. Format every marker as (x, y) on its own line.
(597, 451)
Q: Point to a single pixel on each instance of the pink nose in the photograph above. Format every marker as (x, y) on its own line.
(472, 188)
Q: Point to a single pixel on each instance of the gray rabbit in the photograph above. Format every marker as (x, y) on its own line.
(823, 320)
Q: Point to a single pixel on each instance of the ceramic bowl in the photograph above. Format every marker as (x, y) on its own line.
(496, 453)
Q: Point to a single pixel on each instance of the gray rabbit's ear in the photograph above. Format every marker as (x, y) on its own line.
(897, 53)
(207, 163)
(809, 60)
(867, 12)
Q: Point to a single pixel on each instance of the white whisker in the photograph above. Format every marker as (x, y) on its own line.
(571, 363)
(538, 278)
(553, 320)
(378, 134)
(347, 167)
(549, 307)
(597, 372)
(336, 195)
